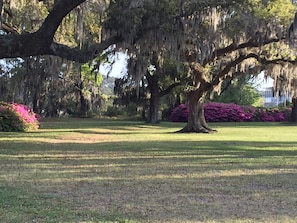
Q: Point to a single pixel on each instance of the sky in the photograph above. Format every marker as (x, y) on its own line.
(261, 82)
(118, 69)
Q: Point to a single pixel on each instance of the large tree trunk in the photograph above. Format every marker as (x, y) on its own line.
(84, 108)
(154, 110)
(294, 110)
(36, 104)
(154, 106)
(84, 102)
(154, 99)
(196, 121)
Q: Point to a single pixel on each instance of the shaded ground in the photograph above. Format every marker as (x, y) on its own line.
(170, 179)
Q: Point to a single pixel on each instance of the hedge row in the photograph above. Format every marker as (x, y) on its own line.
(229, 112)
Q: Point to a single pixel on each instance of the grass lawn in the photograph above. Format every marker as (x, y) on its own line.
(92, 170)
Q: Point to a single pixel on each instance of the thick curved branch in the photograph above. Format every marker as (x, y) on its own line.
(14, 45)
(229, 66)
(233, 47)
(221, 52)
(79, 55)
(38, 43)
(262, 60)
(33, 44)
(56, 15)
(41, 42)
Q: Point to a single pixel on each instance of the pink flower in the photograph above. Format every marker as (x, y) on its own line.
(228, 112)
(17, 117)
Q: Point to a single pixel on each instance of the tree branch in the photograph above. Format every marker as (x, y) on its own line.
(233, 47)
(38, 43)
(169, 89)
(79, 55)
(53, 20)
(221, 75)
(41, 42)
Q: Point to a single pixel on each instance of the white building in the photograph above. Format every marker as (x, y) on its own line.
(265, 88)
(272, 100)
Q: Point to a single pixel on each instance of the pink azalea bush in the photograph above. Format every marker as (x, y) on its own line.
(221, 112)
(229, 112)
(17, 117)
(272, 114)
(180, 113)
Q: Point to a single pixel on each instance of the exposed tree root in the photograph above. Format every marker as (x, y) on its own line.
(192, 129)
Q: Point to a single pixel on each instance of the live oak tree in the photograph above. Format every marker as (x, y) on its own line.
(243, 40)
(160, 24)
(160, 80)
(216, 40)
(158, 90)
(42, 42)
(48, 74)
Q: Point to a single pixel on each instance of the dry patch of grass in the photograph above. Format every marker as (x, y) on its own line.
(119, 171)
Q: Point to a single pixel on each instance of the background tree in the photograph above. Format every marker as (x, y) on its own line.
(240, 90)
(161, 78)
(131, 96)
(159, 81)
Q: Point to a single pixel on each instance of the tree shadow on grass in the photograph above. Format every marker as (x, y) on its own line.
(173, 181)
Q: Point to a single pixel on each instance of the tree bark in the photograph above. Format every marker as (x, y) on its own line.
(196, 121)
(154, 98)
(154, 108)
(84, 106)
(294, 110)
(41, 42)
(156, 94)
(84, 102)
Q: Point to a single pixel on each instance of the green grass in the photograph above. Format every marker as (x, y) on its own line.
(92, 170)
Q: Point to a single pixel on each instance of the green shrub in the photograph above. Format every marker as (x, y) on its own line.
(17, 117)
(113, 111)
(132, 109)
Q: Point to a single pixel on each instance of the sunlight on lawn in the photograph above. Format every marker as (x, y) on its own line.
(141, 173)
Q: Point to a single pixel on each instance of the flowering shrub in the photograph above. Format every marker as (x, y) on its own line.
(180, 113)
(220, 112)
(17, 117)
(271, 114)
(228, 112)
